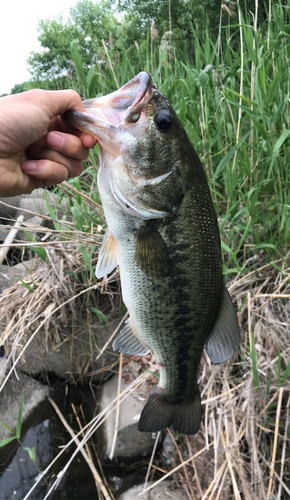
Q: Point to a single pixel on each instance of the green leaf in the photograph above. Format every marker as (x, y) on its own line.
(249, 38)
(274, 85)
(90, 74)
(51, 212)
(25, 284)
(31, 452)
(40, 251)
(230, 154)
(285, 374)
(232, 254)
(285, 134)
(102, 317)
(86, 258)
(49, 207)
(19, 419)
(7, 428)
(93, 85)
(244, 98)
(6, 441)
(28, 235)
(78, 63)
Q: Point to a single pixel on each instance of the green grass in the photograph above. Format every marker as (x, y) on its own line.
(234, 105)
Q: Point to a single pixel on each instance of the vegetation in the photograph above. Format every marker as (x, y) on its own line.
(229, 84)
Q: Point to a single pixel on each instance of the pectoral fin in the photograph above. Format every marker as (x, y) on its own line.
(151, 254)
(129, 342)
(108, 256)
(224, 339)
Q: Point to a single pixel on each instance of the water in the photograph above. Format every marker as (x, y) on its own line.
(44, 431)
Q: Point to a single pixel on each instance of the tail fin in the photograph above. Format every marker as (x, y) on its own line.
(158, 414)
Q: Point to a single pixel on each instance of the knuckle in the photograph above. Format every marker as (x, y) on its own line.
(33, 94)
(73, 95)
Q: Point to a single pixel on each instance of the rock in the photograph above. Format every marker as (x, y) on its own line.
(160, 492)
(168, 445)
(130, 442)
(27, 225)
(134, 368)
(10, 398)
(74, 358)
(32, 207)
(9, 275)
(25, 203)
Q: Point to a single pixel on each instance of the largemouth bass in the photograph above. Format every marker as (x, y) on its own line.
(163, 233)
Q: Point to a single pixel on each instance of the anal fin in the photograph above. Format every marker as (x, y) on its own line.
(108, 256)
(129, 342)
(224, 339)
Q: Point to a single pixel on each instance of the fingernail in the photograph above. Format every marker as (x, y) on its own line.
(54, 140)
(28, 166)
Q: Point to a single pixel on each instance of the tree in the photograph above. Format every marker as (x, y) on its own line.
(88, 23)
(183, 15)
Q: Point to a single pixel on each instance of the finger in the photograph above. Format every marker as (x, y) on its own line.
(88, 141)
(55, 102)
(50, 171)
(59, 125)
(40, 151)
(67, 144)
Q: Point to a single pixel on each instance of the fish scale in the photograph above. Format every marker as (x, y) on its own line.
(163, 233)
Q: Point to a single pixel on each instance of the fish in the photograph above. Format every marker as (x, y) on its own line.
(162, 231)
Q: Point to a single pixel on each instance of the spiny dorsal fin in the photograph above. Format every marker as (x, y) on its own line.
(224, 339)
(129, 342)
(151, 254)
(108, 256)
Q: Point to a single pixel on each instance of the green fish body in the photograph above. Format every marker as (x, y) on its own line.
(163, 233)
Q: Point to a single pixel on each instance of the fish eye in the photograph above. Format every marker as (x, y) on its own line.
(163, 120)
(133, 118)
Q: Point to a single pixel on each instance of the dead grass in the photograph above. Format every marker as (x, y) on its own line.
(241, 451)
(54, 303)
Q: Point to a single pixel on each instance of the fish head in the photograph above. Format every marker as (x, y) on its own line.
(141, 144)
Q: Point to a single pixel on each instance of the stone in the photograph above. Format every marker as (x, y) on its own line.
(130, 442)
(34, 202)
(75, 357)
(9, 275)
(10, 398)
(162, 491)
(134, 368)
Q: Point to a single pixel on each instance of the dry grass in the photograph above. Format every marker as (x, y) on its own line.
(241, 451)
(53, 303)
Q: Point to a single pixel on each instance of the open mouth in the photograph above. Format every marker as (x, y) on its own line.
(115, 107)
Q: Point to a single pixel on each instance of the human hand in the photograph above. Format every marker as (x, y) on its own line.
(37, 148)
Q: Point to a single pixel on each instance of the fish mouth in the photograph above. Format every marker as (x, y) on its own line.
(114, 108)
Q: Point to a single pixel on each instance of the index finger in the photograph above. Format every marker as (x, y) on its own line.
(55, 102)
